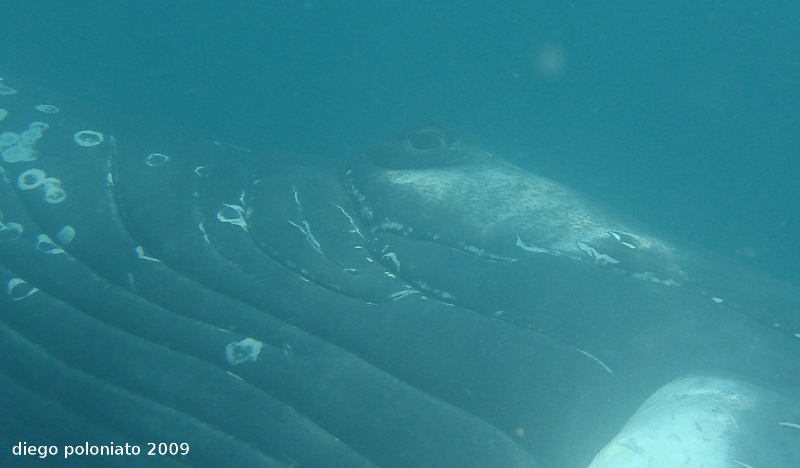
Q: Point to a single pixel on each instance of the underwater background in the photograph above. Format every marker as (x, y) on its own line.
(682, 115)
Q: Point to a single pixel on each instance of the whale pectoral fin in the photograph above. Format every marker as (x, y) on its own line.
(711, 422)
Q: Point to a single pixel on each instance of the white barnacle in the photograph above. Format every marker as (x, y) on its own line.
(355, 229)
(607, 369)
(53, 192)
(141, 255)
(47, 109)
(88, 138)
(245, 350)
(19, 153)
(530, 247)
(306, 230)
(156, 159)
(475, 250)
(66, 234)
(231, 145)
(237, 218)
(296, 198)
(30, 179)
(203, 230)
(235, 376)
(400, 294)
(18, 289)
(46, 245)
(389, 226)
(717, 300)
(10, 231)
(500, 258)
(650, 276)
(366, 212)
(35, 131)
(38, 126)
(8, 139)
(741, 463)
(605, 258)
(393, 258)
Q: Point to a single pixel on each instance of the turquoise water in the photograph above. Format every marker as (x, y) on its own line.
(683, 117)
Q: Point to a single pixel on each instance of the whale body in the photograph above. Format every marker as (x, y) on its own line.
(428, 305)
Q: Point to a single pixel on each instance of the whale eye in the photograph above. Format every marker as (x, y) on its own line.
(425, 147)
(427, 139)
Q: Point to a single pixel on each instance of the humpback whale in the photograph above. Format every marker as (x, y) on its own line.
(428, 305)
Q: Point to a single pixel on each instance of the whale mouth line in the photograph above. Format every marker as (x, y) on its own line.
(400, 230)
